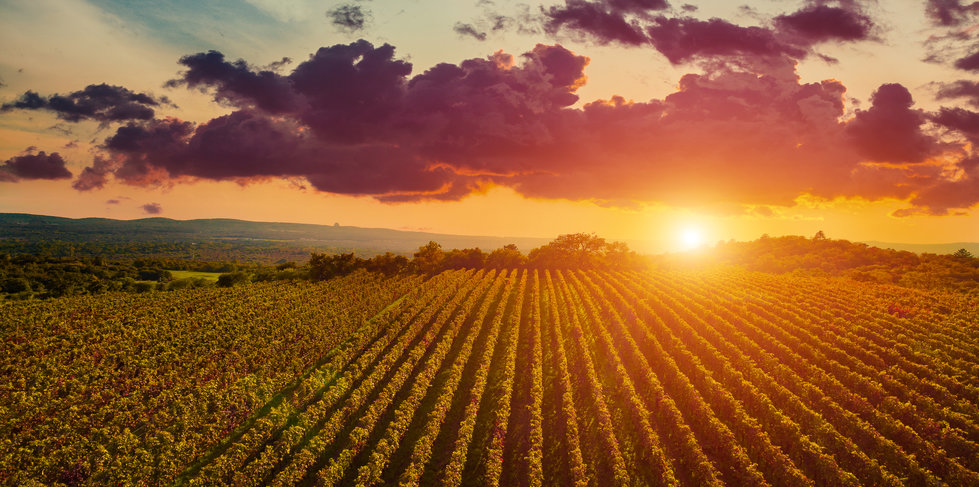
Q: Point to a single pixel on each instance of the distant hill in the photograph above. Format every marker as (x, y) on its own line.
(22, 227)
(39, 228)
(940, 249)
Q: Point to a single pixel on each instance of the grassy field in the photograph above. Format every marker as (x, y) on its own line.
(523, 377)
(210, 276)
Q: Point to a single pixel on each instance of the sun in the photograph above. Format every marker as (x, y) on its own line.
(690, 238)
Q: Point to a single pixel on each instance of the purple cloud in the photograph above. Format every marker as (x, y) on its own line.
(353, 119)
(950, 13)
(102, 102)
(34, 166)
(968, 63)
(890, 130)
(821, 23)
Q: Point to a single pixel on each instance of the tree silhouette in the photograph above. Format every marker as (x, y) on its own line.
(962, 253)
(506, 257)
(573, 250)
(429, 257)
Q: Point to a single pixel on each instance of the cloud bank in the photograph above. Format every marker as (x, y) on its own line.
(683, 39)
(353, 119)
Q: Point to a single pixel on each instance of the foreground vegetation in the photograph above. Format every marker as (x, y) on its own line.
(488, 377)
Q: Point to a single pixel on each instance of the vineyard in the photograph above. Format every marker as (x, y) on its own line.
(523, 377)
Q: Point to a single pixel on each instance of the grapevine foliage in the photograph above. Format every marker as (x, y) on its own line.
(496, 377)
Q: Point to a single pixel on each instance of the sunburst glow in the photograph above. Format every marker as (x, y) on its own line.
(690, 238)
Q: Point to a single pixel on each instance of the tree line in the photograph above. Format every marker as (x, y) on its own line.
(569, 251)
(28, 276)
(43, 275)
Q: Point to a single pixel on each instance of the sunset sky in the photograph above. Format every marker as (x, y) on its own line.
(635, 119)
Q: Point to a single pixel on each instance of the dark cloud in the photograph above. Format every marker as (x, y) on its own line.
(689, 8)
(375, 132)
(968, 63)
(793, 35)
(682, 39)
(102, 102)
(236, 83)
(637, 6)
(349, 17)
(604, 21)
(352, 119)
(152, 208)
(821, 23)
(960, 120)
(468, 30)
(350, 89)
(890, 130)
(950, 13)
(112, 202)
(34, 166)
(139, 153)
(277, 65)
(960, 89)
(94, 176)
(28, 101)
(595, 19)
(613, 7)
(954, 42)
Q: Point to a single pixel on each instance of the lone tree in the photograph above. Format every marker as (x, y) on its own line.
(573, 250)
(582, 251)
(962, 253)
(819, 236)
(429, 257)
(322, 266)
(506, 257)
